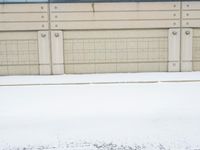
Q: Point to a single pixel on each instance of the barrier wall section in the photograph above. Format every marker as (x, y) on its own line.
(58, 38)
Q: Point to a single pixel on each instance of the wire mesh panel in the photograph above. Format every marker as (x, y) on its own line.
(18, 53)
(115, 51)
(196, 50)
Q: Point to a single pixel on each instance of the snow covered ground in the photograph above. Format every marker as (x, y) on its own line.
(100, 78)
(160, 114)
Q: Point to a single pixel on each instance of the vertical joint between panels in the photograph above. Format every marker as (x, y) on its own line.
(181, 19)
(49, 32)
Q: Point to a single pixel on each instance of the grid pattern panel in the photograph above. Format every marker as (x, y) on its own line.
(116, 52)
(19, 57)
(196, 53)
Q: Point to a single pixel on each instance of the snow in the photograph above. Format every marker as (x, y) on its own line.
(101, 78)
(156, 115)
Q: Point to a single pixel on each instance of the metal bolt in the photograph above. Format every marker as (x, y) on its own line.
(42, 7)
(56, 34)
(174, 33)
(43, 35)
(187, 32)
(55, 7)
(42, 16)
(174, 15)
(188, 5)
(174, 6)
(187, 14)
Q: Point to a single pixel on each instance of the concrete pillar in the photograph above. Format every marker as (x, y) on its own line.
(57, 52)
(186, 49)
(174, 50)
(44, 53)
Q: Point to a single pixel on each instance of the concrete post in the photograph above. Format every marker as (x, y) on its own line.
(186, 49)
(57, 52)
(44, 53)
(174, 50)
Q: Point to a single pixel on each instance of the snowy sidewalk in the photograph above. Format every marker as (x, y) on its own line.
(100, 78)
(147, 116)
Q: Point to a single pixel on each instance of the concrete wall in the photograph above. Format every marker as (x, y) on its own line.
(24, 48)
(70, 38)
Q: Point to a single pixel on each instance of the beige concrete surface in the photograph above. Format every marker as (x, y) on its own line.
(99, 37)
